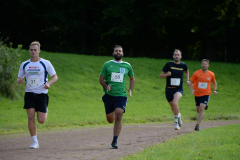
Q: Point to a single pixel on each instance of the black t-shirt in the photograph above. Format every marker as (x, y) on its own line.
(177, 70)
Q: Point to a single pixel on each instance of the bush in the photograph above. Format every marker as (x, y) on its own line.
(9, 65)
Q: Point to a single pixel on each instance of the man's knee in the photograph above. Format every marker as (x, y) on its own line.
(202, 107)
(42, 117)
(177, 96)
(118, 114)
(110, 117)
(119, 117)
(31, 114)
(197, 110)
(41, 121)
(174, 103)
(31, 117)
(110, 120)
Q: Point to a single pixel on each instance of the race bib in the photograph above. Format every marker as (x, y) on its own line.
(175, 81)
(202, 85)
(117, 77)
(33, 82)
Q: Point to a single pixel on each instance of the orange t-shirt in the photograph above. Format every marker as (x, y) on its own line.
(202, 82)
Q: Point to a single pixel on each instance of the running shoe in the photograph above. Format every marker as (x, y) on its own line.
(176, 126)
(34, 145)
(197, 127)
(179, 120)
(114, 145)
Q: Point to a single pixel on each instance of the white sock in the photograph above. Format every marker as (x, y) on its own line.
(34, 138)
(175, 118)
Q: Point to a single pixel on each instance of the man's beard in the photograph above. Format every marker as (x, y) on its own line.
(204, 69)
(117, 57)
(176, 60)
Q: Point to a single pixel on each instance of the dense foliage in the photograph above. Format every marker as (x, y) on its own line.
(9, 65)
(201, 29)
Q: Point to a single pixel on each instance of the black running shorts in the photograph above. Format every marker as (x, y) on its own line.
(202, 99)
(112, 102)
(171, 91)
(37, 101)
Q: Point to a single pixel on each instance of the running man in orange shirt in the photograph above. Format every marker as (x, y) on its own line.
(202, 89)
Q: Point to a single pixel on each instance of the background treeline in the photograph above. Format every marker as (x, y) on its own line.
(150, 28)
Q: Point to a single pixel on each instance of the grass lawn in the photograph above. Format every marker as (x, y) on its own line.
(75, 99)
(214, 143)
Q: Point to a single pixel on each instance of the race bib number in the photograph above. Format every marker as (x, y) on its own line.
(33, 82)
(175, 81)
(117, 77)
(202, 85)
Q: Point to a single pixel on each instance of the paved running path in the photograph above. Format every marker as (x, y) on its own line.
(93, 143)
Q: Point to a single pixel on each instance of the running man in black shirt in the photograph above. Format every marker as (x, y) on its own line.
(174, 72)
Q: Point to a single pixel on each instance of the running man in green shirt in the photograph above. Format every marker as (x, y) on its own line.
(113, 79)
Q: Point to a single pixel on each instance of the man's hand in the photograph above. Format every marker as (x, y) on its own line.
(130, 92)
(46, 86)
(169, 73)
(192, 91)
(215, 92)
(19, 80)
(108, 87)
(188, 82)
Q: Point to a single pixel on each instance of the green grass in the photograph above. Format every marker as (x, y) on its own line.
(214, 143)
(75, 99)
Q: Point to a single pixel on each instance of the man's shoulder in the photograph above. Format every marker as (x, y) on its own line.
(182, 63)
(108, 62)
(198, 71)
(167, 65)
(44, 60)
(170, 63)
(126, 63)
(114, 62)
(27, 61)
(210, 72)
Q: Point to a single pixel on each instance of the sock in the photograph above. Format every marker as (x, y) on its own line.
(34, 138)
(175, 118)
(115, 138)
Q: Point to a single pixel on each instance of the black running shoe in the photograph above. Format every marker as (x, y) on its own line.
(197, 127)
(206, 107)
(114, 145)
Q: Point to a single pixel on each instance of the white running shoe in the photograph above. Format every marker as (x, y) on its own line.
(179, 119)
(176, 126)
(34, 145)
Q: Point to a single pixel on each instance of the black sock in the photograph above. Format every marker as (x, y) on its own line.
(115, 138)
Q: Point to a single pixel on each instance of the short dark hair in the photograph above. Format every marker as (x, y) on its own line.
(205, 60)
(116, 47)
(177, 50)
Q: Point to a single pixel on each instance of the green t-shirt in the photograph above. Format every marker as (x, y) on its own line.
(115, 74)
